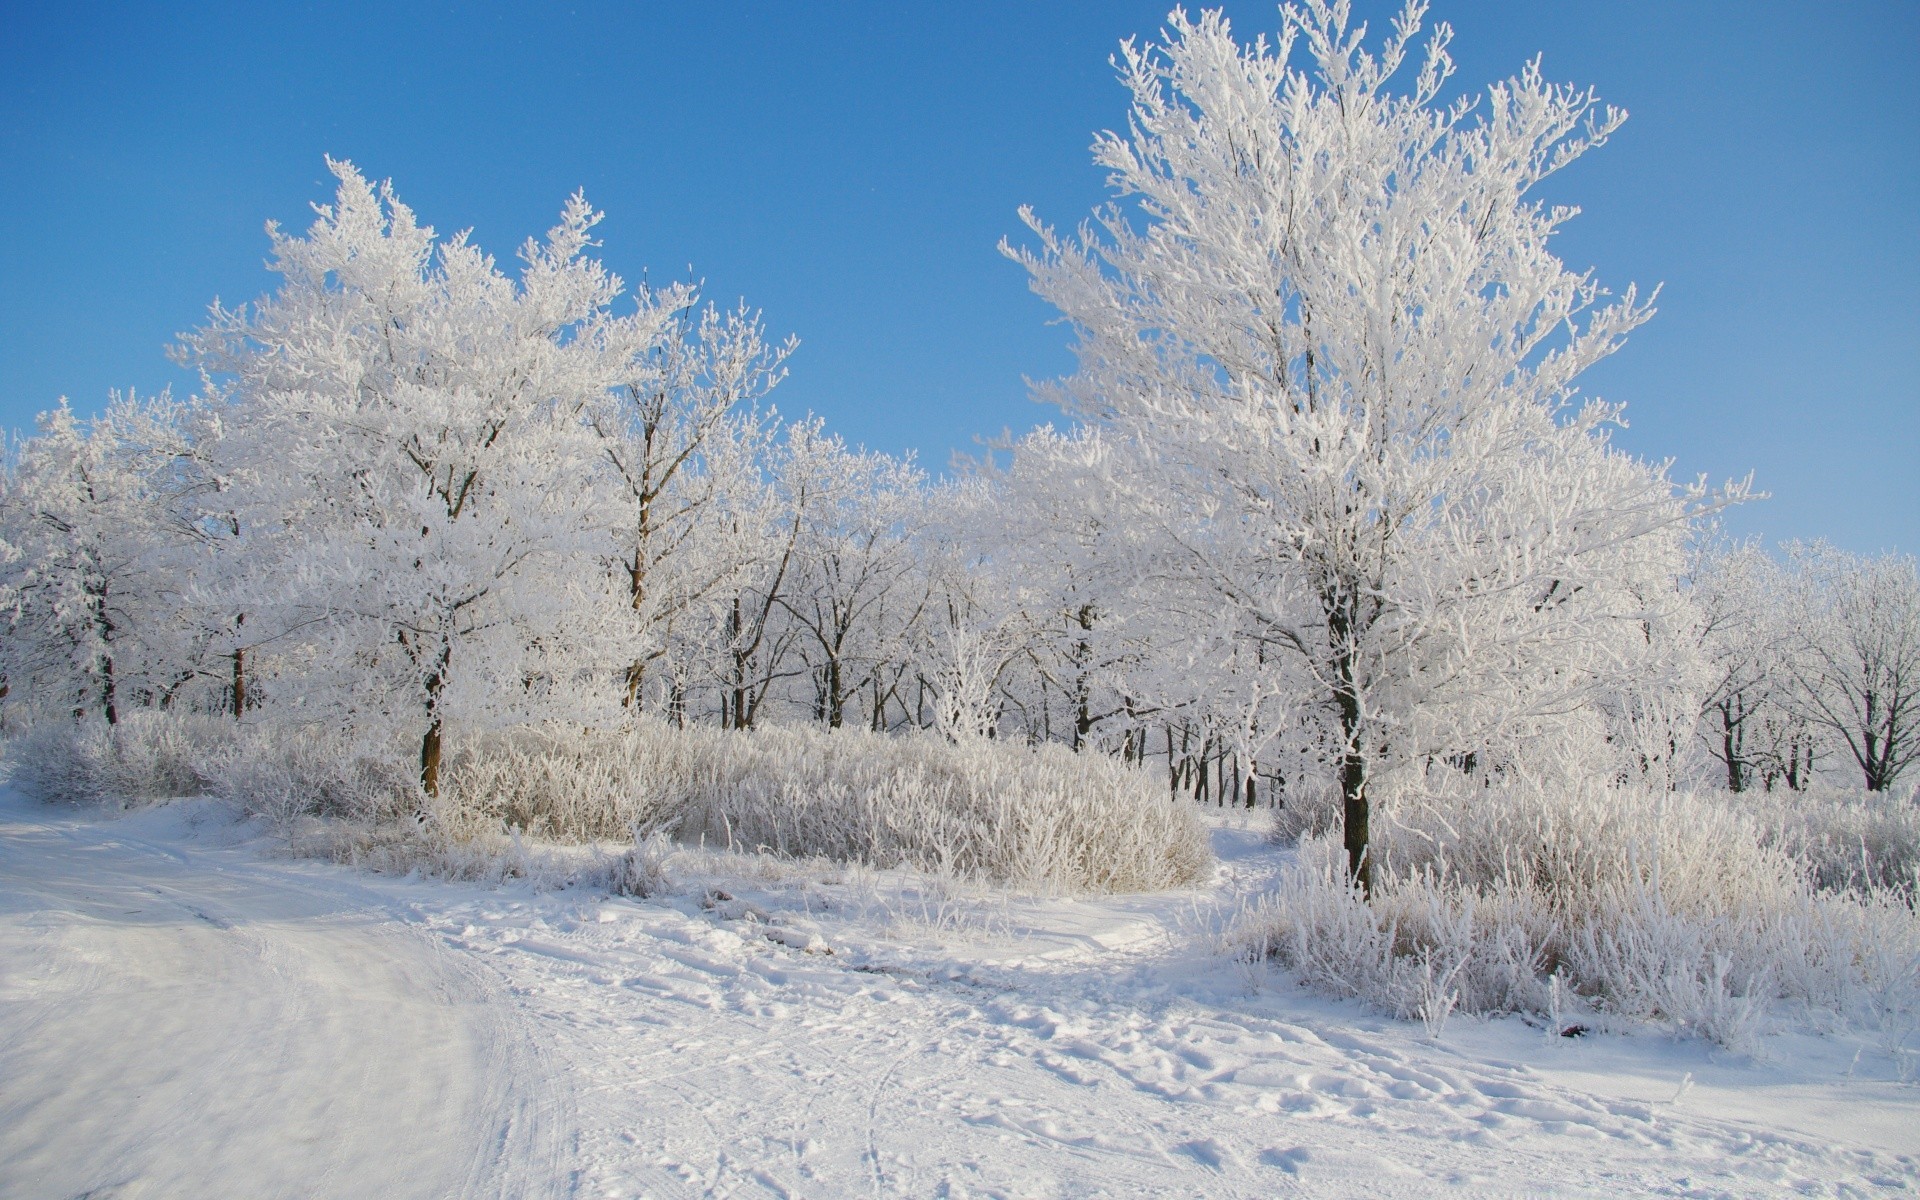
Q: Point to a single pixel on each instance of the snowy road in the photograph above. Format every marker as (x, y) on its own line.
(180, 1021)
(184, 1017)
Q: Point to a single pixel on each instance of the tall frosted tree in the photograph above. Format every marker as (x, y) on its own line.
(857, 590)
(405, 457)
(1324, 328)
(678, 434)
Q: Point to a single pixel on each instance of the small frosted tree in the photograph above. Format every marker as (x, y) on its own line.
(1753, 721)
(857, 590)
(676, 434)
(96, 518)
(1340, 361)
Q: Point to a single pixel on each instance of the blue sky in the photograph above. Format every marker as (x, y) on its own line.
(848, 168)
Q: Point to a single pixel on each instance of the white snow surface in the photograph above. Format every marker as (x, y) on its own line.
(185, 1012)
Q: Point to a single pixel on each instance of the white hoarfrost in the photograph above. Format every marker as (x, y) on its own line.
(1039, 818)
(1331, 364)
(513, 579)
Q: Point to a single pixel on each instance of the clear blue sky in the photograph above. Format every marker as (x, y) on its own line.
(849, 167)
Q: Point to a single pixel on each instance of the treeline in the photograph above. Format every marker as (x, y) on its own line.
(417, 494)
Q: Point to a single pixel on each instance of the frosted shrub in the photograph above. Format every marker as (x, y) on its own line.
(289, 772)
(1041, 818)
(1845, 838)
(1629, 902)
(148, 757)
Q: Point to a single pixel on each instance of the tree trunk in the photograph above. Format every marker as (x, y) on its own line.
(430, 758)
(1341, 626)
(239, 682)
(1353, 796)
(108, 690)
(1730, 747)
(430, 741)
(735, 627)
(636, 594)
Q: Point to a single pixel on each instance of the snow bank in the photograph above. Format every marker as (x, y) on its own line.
(1037, 818)
(1601, 901)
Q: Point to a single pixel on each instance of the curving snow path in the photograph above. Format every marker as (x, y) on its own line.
(176, 1020)
(183, 1015)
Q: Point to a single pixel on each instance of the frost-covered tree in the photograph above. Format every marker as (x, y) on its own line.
(1857, 668)
(1338, 359)
(404, 456)
(97, 529)
(1060, 561)
(1752, 721)
(677, 434)
(857, 592)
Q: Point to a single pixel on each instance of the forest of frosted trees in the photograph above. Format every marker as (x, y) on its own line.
(418, 493)
(1327, 524)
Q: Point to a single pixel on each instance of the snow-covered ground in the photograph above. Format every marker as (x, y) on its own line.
(185, 1013)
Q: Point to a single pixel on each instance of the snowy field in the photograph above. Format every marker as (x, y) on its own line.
(183, 1012)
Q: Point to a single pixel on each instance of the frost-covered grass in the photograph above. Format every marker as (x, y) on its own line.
(147, 758)
(1587, 904)
(1040, 819)
(1845, 838)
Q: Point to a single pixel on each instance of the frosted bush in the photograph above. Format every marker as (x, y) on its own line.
(1043, 818)
(1620, 902)
(1846, 838)
(148, 757)
(290, 772)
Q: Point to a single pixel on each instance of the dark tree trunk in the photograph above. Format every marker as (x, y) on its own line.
(1731, 749)
(1353, 794)
(430, 740)
(430, 758)
(108, 691)
(636, 679)
(239, 671)
(1342, 623)
(740, 717)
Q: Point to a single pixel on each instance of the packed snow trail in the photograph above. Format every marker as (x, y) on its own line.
(179, 1020)
(182, 1014)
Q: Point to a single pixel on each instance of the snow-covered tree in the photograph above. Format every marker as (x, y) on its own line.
(1752, 722)
(96, 525)
(857, 592)
(1339, 361)
(404, 456)
(1857, 668)
(678, 433)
